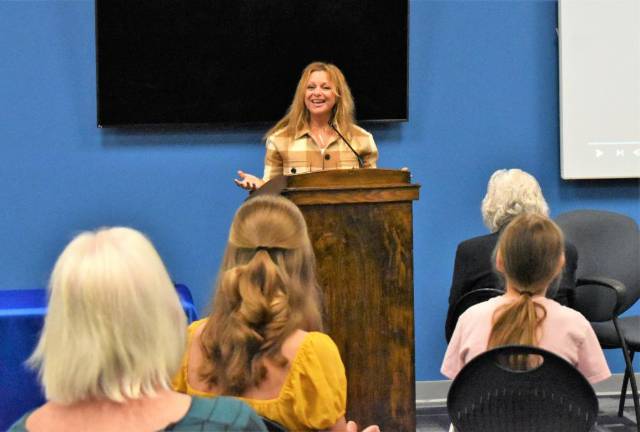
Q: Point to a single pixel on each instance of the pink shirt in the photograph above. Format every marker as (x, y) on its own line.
(565, 332)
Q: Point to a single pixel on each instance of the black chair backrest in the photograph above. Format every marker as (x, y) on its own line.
(608, 246)
(552, 395)
(472, 298)
(272, 426)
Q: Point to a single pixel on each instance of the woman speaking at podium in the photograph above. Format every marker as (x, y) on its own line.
(318, 132)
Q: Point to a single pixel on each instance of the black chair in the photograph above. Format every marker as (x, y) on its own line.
(469, 299)
(272, 426)
(608, 282)
(496, 392)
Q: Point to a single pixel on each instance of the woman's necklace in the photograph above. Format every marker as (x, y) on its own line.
(321, 135)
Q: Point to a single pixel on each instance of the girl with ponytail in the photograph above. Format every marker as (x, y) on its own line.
(529, 255)
(263, 341)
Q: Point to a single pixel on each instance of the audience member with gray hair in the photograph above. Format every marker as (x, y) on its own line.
(113, 338)
(509, 193)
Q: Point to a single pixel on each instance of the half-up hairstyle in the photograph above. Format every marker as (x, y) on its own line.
(297, 117)
(531, 248)
(266, 290)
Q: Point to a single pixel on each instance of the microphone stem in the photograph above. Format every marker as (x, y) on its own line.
(360, 160)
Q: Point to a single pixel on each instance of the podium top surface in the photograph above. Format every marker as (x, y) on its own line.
(365, 185)
(353, 186)
(349, 178)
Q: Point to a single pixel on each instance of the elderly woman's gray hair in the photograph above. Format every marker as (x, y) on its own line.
(115, 328)
(510, 193)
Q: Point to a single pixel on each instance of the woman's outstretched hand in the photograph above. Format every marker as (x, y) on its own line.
(248, 181)
(353, 427)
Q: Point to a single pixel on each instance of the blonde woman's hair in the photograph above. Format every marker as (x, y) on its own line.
(531, 248)
(115, 328)
(510, 193)
(297, 117)
(265, 291)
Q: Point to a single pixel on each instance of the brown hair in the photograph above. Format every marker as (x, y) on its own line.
(265, 291)
(531, 248)
(297, 116)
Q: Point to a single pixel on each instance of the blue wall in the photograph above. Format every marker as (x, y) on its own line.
(483, 96)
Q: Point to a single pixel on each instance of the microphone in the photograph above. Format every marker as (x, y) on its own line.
(360, 160)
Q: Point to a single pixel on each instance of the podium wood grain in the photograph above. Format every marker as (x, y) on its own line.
(360, 224)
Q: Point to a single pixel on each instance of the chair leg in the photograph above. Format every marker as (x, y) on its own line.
(629, 368)
(623, 392)
(634, 390)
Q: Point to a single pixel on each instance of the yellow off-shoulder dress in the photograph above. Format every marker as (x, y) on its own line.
(314, 394)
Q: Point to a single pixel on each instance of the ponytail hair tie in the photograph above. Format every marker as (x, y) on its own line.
(527, 293)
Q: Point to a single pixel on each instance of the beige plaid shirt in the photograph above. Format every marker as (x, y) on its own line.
(302, 155)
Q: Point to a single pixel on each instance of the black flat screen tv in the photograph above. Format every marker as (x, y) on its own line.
(237, 62)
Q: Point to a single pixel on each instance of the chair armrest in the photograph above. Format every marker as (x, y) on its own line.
(599, 298)
(614, 284)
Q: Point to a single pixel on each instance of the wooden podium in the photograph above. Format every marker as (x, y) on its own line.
(361, 227)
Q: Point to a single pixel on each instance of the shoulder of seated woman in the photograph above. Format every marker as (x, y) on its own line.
(293, 343)
(196, 356)
(38, 418)
(50, 417)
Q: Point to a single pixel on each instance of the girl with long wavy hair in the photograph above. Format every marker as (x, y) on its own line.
(529, 255)
(311, 135)
(263, 341)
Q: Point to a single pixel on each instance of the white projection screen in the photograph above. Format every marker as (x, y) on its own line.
(599, 88)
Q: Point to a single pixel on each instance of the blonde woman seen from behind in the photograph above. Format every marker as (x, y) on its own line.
(529, 255)
(113, 337)
(263, 341)
(306, 139)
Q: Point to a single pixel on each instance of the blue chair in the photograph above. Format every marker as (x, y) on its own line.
(186, 299)
(22, 315)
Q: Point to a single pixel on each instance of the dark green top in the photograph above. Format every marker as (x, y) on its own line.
(217, 414)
